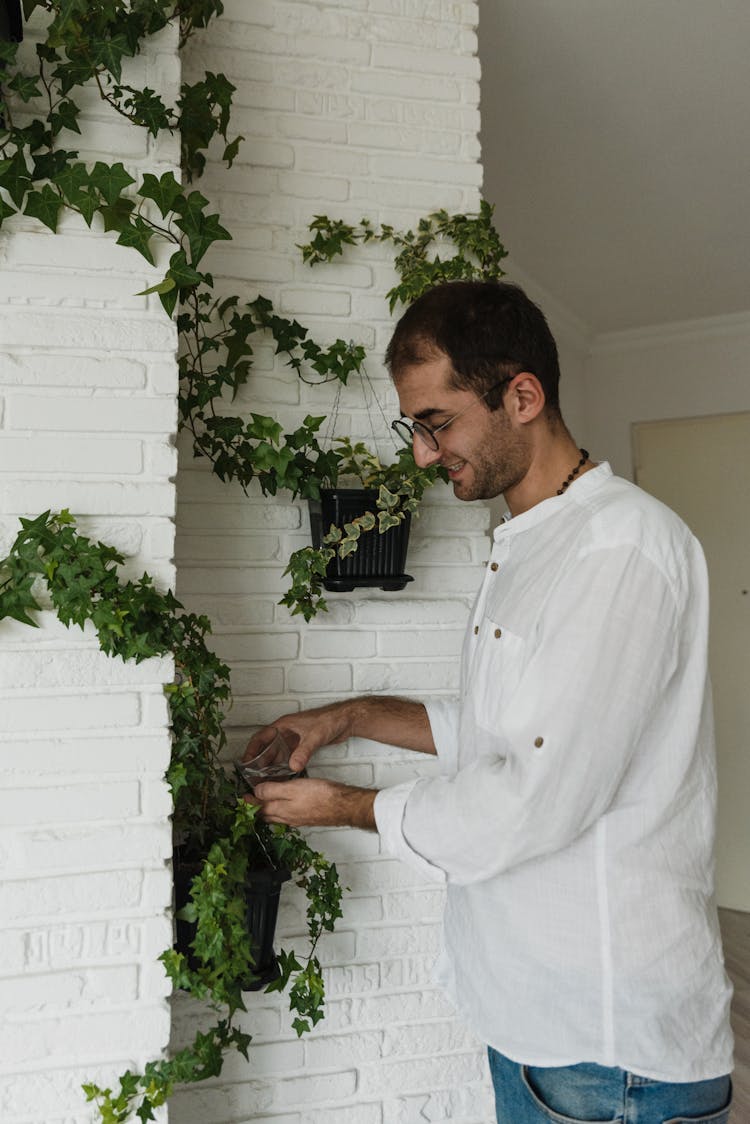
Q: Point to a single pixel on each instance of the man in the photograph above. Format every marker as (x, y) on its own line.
(573, 821)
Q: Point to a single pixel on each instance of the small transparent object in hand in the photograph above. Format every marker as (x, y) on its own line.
(272, 763)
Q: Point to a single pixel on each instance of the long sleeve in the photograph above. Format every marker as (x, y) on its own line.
(593, 670)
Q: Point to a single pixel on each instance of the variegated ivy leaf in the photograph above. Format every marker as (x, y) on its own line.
(348, 546)
(386, 499)
(387, 520)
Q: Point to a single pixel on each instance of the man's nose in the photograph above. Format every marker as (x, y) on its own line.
(424, 454)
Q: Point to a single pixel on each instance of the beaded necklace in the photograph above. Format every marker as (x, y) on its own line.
(572, 475)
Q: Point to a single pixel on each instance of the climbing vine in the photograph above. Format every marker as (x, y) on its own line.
(212, 825)
(93, 45)
(41, 176)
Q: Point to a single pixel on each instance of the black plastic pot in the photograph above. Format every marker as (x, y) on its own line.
(262, 891)
(11, 21)
(378, 561)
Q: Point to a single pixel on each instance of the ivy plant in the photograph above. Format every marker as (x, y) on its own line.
(90, 43)
(41, 176)
(212, 825)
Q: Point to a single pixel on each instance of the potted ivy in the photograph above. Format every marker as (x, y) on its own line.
(229, 864)
(363, 517)
(379, 561)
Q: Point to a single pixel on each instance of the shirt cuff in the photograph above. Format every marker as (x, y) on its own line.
(443, 718)
(389, 817)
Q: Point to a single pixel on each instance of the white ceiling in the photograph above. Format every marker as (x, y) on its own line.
(616, 148)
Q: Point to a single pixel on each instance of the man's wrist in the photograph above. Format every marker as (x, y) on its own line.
(357, 807)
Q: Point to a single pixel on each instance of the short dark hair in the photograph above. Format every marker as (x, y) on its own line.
(489, 330)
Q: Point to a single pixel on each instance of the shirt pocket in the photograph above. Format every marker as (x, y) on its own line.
(495, 672)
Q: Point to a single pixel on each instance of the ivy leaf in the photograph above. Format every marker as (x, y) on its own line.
(164, 191)
(65, 116)
(169, 300)
(44, 52)
(8, 51)
(87, 204)
(264, 428)
(202, 231)
(191, 206)
(70, 74)
(164, 286)
(109, 53)
(110, 179)
(184, 276)
(15, 178)
(25, 86)
(386, 520)
(145, 1112)
(72, 180)
(221, 90)
(149, 110)
(44, 205)
(231, 150)
(117, 215)
(48, 164)
(138, 234)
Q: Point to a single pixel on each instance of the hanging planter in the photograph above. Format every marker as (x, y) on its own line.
(380, 558)
(261, 895)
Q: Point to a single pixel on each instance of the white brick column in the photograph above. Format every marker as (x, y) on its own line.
(351, 108)
(87, 415)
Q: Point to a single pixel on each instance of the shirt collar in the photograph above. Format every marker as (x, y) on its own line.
(577, 492)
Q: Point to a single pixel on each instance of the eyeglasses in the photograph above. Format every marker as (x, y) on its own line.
(407, 431)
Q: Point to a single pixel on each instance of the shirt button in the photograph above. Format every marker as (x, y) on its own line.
(476, 630)
(539, 742)
(494, 566)
(498, 633)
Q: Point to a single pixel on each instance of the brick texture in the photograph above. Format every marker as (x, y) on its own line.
(350, 108)
(88, 394)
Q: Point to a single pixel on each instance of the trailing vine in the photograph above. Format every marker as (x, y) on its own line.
(477, 245)
(211, 822)
(90, 42)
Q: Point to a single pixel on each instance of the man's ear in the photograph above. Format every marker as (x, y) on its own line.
(525, 398)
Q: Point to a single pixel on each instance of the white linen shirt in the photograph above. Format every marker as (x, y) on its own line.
(573, 820)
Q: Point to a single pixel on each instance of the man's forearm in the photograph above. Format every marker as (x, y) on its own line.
(391, 720)
(310, 802)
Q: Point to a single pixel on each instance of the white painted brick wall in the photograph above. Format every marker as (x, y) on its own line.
(87, 413)
(351, 108)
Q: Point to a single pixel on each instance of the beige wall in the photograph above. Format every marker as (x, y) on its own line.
(692, 369)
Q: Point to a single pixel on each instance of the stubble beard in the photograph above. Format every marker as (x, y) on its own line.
(500, 463)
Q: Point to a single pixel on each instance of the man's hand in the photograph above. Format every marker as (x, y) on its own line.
(383, 719)
(324, 725)
(309, 802)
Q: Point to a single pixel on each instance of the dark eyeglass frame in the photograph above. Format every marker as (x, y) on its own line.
(407, 431)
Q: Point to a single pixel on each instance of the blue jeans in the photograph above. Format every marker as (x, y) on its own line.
(593, 1093)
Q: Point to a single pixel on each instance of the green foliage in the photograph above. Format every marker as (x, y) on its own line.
(399, 486)
(134, 620)
(89, 42)
(477, 249)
